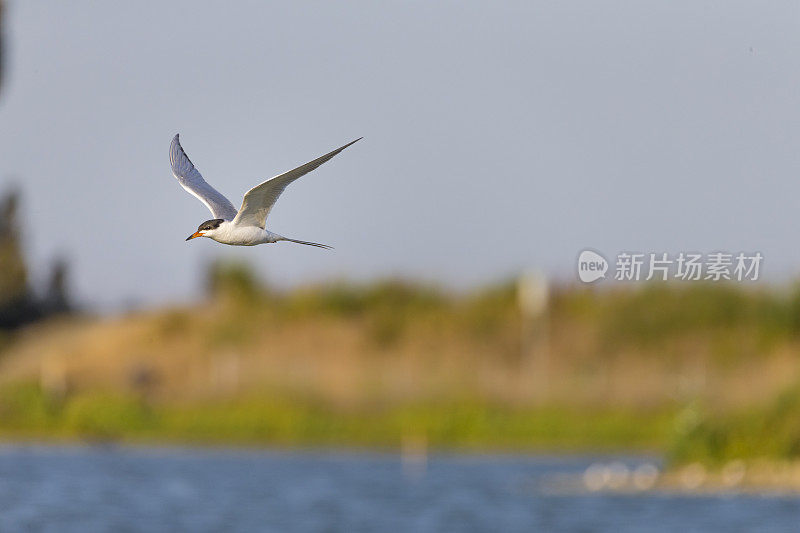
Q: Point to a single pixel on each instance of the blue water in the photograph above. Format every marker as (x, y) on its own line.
(85, 489)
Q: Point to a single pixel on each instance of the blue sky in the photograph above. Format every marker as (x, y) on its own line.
(497, 136)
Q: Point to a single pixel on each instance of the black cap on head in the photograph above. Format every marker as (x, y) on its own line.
(210, 224)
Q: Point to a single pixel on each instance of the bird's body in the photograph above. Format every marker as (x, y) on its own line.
(245, 227)
(230, 233)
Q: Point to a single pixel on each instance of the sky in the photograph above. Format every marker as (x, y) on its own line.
(498, 136)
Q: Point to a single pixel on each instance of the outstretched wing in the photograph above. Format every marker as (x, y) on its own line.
(259, 200)
(191, 180)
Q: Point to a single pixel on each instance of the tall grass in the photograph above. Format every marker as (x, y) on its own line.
(698, 369)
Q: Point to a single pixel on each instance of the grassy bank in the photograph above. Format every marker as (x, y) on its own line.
(769, 429)
(699, 371)
(28, 413)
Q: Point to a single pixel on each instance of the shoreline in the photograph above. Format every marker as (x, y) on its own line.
(757, 476)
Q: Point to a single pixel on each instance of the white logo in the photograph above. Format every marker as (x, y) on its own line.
(686, 266)
(591, 266)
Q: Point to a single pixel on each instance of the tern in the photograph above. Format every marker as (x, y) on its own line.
(245, 227)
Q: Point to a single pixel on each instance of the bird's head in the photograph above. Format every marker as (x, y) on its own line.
(206, 229)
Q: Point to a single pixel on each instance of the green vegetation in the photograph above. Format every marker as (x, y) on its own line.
(663, 313)
(771, 431)
(699, 371)
(19, 303)
(28, 413)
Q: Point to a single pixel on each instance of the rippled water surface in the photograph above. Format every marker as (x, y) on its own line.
(134, 489)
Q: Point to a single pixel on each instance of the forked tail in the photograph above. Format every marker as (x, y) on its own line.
(318, 245)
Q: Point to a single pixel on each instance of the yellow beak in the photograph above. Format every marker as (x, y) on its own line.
(193, 235)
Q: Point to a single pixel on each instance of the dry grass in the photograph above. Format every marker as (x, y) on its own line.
(689, 369)
(349, 350)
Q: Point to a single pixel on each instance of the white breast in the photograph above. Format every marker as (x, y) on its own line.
(229, 233)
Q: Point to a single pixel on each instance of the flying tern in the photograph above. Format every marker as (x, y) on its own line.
(244, 227)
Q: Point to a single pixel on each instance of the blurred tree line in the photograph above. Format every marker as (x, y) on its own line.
(19, 304)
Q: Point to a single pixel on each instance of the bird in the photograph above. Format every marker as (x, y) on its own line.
(245, 227)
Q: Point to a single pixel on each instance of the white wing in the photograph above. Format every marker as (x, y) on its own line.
(191, 180)
(259, 200)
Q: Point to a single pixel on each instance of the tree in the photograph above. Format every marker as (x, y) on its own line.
(56, 299)
(17, 305)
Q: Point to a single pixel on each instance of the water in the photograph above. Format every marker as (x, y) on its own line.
(86, 489)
